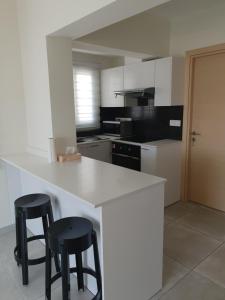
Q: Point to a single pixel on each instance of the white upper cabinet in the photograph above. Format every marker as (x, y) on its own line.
(140, 75)
(169, 81)
(165, 74)
(111, 81)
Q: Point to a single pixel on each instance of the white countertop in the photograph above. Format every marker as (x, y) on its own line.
(90, 180)
(157, 143)
(160, 143)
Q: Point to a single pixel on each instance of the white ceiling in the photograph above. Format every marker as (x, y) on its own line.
(181, 8)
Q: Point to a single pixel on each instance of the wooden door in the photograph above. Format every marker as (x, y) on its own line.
(207, 150)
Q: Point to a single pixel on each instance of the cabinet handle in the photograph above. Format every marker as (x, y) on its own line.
(126, 156)
(147, 149)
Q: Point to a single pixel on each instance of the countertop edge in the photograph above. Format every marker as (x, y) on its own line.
(97, 205)
(46, 181)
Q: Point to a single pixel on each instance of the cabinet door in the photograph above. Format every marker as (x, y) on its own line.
(111, 81)
(163, 81)
(100, 151)
(148, 160)
(169, 81)
(141, 75)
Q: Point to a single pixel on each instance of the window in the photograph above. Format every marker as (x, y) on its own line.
(86, 96)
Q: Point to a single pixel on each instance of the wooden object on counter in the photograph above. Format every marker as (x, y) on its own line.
(68, 157)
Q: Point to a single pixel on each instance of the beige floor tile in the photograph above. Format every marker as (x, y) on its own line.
(214, 267)
(168, 220)
(177, 211)
(195, 287)
(206, 221)
(187, 246)
(8, 287)
(172, 273)
(36, 286)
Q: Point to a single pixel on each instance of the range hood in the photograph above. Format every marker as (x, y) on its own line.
(148, 93)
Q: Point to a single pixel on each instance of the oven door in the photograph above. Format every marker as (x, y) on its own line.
(126, 161)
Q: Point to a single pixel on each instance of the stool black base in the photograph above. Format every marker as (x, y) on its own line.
(30, 262)
(71, 236)
(31, 207)
(91, 272)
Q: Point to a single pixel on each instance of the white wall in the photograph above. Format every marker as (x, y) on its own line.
(143, 33)
(101, 61)
(201, 29)
(37, 19)
(12, 107)
(61, 91)
(40, 18)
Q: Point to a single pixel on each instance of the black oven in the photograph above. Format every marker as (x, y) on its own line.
(126, 155)
(120, 127)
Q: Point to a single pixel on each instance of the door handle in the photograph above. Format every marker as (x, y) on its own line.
(194, 133)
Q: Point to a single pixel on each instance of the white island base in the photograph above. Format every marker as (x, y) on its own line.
(126, 207)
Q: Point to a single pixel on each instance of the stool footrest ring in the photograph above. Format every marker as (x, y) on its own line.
(89, 271)
(31, 262)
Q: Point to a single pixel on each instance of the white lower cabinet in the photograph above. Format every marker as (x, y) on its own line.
(164, 160)
(98, 150)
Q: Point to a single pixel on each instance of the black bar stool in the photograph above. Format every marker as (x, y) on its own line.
(31, 207)
(72, 236)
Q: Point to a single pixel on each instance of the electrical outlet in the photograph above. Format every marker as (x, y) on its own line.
(175, 123)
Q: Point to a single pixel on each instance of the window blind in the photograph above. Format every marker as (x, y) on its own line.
(86, 96)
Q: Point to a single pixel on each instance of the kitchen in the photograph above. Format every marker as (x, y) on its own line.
(106, 78)
(138, 123)
(85, 188)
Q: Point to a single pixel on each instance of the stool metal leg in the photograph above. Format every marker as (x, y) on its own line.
(97, 261)
(56, 256)
(18, 238)
(48, 273)
(65, 275)
(80, 276)
(45, 227)
(24, 250)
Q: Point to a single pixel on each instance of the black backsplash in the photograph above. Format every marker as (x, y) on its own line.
(150, 122)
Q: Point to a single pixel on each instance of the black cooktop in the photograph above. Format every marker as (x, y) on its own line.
(141, 139)
(136, 139)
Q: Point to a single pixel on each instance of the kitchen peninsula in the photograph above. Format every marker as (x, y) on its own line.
(126, 207)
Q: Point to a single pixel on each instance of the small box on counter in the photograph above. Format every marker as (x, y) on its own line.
(68, 157)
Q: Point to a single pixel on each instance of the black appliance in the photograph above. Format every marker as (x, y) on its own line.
(138, 93)
(121, 127)
(126, 155)
(138, 97)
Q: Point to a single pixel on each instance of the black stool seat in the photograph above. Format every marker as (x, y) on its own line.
(68, 236)
(33, 205)
(30, 207)
(73, 233)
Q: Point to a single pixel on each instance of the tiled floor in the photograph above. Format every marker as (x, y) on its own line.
(11, 287)
(194, 260)
(194, 254)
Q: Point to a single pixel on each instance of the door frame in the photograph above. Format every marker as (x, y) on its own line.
(188, 103)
